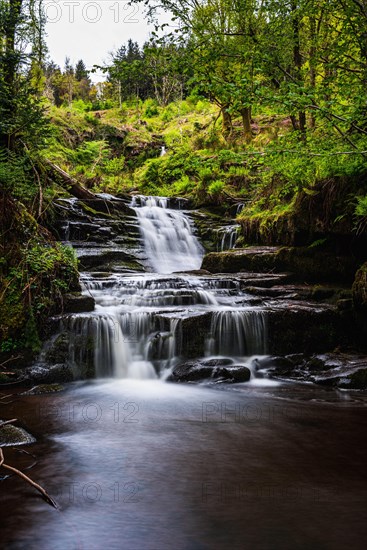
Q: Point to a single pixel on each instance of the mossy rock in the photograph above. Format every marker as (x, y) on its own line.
(58, 351)
(255, 259)
(74, 302)
(357, 380)
(55, 374)
(218, 370)
(44, 388)
(12, 435)
(360, 288)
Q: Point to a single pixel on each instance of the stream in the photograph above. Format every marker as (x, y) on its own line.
(139, 463)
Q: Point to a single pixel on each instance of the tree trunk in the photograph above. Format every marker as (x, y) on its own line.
(226, 121)
(312, 64)
(246, 121)
(297, 60)
(302, 124)
(68, 182)
(10, 64)
(295, 123)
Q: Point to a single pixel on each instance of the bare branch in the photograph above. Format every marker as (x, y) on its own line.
(40, 489)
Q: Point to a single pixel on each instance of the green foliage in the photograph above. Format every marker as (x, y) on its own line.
(90, 152)
(31, 337)
(184, 186)
(30, 289)
(114, 166)
(46, 261)
(361, 207)
(10, 344)
(318, 243)
(216, 188)
(151, 108)
(169, 113)
(102, 104)
(17, 176)
(82, 106)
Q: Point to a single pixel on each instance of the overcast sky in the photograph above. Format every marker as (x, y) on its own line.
(88, 30)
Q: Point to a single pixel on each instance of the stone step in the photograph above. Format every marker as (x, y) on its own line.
(306, 264)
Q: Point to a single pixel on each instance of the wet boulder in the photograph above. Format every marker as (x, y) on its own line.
(338, 370)
(254, 258)
(232, 373)
(12, 435)
(191, 371)
(310, 327)
(221, 370)
(53, 374)
(44, 388)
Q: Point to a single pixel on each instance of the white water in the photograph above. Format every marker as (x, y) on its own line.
(168, 236)
(227, 236)
(237, 332)
(146, 323)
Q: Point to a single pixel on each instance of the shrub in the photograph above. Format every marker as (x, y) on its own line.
(361, 207)
(151, 108)
(114, 166)
(216, 188)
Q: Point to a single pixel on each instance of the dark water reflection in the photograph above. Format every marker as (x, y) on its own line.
(149, 466)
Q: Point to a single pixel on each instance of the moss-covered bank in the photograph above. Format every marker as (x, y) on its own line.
(35, 273)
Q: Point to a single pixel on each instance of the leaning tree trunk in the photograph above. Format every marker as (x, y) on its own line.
(68, 182)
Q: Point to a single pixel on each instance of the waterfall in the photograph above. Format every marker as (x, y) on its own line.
(228, 237)
(169, 242)
(110, 345)
(143, 324)
(237, 333)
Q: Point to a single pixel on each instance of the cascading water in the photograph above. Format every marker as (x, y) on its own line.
(145, 323)
(227, 237)
(237, 332)
(168, 236)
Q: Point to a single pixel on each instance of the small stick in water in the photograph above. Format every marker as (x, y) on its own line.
(45, 495)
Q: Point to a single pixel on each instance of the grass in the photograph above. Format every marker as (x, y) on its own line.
(117, 150)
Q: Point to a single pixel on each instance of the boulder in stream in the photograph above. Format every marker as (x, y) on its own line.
(50, 374)
(338, 370)
(44, 388)
(12, 435)
(221, 370)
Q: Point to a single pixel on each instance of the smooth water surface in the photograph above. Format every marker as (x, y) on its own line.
(145, 465)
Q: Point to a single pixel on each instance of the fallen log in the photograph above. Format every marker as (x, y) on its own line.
(68, 182)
